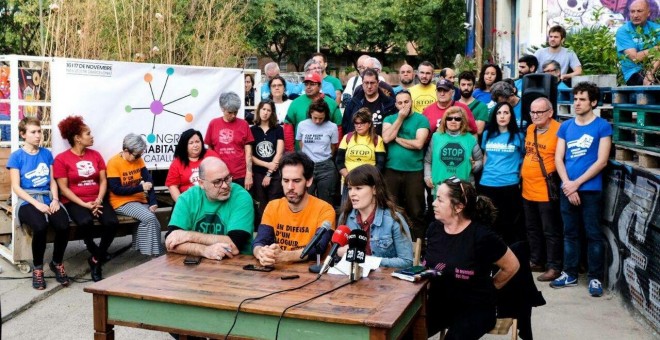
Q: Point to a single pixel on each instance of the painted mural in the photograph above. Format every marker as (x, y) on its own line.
(587, 13)
(632, 225)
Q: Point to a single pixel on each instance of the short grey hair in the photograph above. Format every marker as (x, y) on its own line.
(271, 66)
(134, 143)
(502, 89)
(309, 63)
(552, 62)
(229, 102)
(376, 64)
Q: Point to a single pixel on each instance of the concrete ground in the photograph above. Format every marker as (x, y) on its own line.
(66, 313)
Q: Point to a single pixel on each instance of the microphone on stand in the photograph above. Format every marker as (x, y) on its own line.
(317, 238)
(356, 254)
(339, 239)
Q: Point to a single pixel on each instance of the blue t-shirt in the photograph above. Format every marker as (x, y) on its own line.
(265, 90)
(522, 124)
(582, 144)
(34, 169)
(482, 96)
(503, 159)
(626, 38)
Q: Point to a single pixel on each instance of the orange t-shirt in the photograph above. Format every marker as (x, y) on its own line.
(129, 173)
(533, 183)
(293, 230)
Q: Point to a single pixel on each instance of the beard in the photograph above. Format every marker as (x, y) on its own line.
(466, 94)
(407, 82)
(297, 198)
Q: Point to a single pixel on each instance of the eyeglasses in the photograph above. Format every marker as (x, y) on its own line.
(453, 119)
(456, 180)
(136, 154)
(360, 123)
(538, 113)
(277, 85)
(218, 182)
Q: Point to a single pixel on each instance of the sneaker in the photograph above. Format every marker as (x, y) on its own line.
(595, 288)
(564, 280)
(60, 273)
(95, 268)
(38, 281)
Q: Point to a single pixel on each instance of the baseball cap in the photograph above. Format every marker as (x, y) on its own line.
(444, 84)
(313, 77)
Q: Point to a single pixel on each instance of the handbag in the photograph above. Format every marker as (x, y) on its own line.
(552, 180)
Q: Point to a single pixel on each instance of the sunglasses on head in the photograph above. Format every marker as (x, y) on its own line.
(456, 180)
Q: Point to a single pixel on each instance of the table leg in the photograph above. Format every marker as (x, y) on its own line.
(102, 330)
(419, 330)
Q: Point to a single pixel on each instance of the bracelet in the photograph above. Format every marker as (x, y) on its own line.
(269, 174)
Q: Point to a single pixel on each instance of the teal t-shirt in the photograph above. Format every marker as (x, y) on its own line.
(400, 158)
(451, 156)
(194, 212)
(336, 83)
(479, 110)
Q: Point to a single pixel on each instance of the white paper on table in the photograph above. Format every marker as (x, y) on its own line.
(344, 267)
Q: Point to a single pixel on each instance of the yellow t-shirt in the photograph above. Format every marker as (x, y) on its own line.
(294, 230)
(534, 187)
(362, 151)
(129, 173)
(422, 96)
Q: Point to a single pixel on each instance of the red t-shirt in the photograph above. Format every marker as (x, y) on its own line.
(229, 141)
(185, 177)
(434, 114)
(82, 173)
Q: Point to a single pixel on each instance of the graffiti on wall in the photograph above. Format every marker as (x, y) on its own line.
(632, 217)
(587, 13)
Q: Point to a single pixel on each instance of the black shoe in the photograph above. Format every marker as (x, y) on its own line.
(38, 281)
(60, 273)
(95, 268)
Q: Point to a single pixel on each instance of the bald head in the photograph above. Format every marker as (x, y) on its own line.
(212, 165)
(406, 74)
(639, 12)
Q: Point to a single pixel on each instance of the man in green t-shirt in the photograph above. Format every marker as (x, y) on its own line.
(213, 219)
(466, 81)
(336, 83)
(405, 134)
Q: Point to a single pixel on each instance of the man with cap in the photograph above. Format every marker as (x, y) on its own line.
(505, 92)
(445, 94)
(299, 107)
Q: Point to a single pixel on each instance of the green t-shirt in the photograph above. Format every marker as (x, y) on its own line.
(334, 81)
(400, 158)
(298, 112)
(193, 211)
(451, 156)
(479, 110)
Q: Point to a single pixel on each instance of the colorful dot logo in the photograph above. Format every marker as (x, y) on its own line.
(157, 106)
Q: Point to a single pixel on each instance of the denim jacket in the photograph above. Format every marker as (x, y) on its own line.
(386, 239)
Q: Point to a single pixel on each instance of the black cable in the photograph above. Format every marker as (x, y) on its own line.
(265, 296)
(277, 330)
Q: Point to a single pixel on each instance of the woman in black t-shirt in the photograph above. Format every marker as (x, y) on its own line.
(463, 251)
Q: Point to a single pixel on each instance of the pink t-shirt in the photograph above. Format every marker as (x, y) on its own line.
(183, 176)
(434, 114)
(82, 172)
(229, 141)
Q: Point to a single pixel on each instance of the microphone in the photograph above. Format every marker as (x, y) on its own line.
(317, 237)
(356, 254)
(339, 239)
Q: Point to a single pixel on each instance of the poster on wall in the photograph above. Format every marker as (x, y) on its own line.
(632, 218)
(156, 101)
(588, 13)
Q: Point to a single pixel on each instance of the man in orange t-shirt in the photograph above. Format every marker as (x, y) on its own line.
(289, 223)
(542, 215)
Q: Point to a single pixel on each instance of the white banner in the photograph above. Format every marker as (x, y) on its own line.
(156, 101)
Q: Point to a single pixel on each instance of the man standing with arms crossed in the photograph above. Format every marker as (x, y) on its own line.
(583, 147)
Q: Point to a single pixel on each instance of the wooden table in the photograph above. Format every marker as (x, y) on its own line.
(166, 295)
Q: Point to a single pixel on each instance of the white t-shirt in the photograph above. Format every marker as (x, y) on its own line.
(281, 109)
(317, 140)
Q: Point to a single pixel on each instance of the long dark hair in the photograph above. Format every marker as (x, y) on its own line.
(272, 121)
(475, 207)
(369, 175)
(181, 150)
(498, 75)
(493, 127)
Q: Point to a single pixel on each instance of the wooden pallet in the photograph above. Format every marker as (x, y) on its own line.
(632, 135)
(565, 96)
(638, 157)
(636, 95)
(640, 117)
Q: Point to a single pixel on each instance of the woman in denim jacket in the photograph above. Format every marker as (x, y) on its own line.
(371, 208)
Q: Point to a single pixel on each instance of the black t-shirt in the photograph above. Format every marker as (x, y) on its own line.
(377, 113)
(264, 146)
(465, 260)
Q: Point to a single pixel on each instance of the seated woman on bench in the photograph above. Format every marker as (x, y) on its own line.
(132, 194)
(80, 174)
(188, 154)
(31, 173)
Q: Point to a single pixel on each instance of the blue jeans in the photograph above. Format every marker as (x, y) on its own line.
(586, 215)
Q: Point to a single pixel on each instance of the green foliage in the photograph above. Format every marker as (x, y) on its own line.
(595, 48)
(19, 27)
